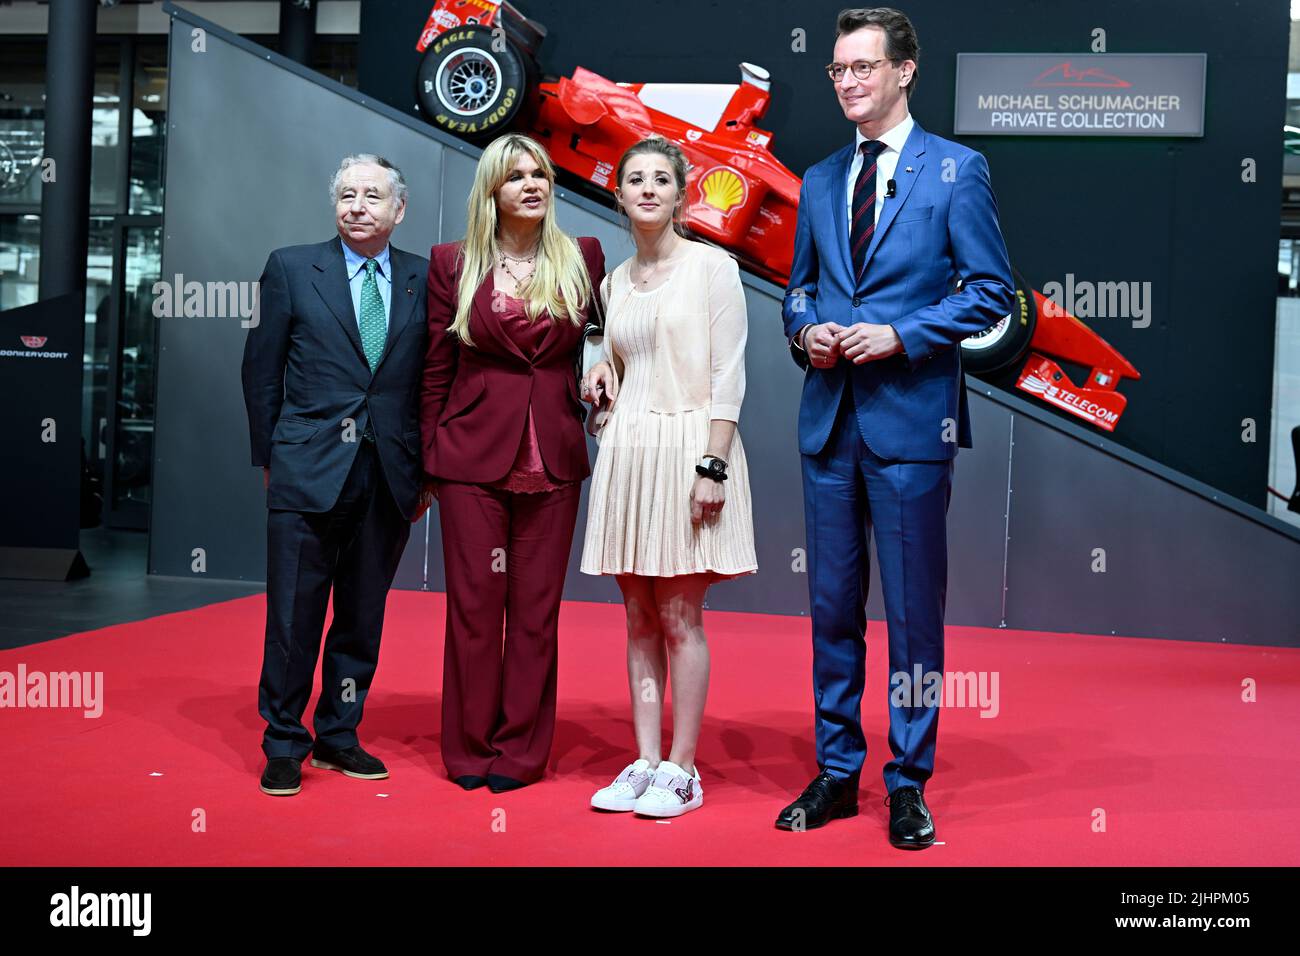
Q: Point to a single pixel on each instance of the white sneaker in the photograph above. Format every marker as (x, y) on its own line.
(622, 794)
(672, 792)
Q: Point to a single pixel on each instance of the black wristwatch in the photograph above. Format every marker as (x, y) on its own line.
(712, 467)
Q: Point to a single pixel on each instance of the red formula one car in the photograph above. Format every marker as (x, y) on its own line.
(474, 81)
(1039, 325)
(479, 77)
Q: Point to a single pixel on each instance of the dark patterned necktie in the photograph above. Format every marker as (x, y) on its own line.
(864, 205)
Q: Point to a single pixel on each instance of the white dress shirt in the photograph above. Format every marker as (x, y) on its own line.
(886, 162)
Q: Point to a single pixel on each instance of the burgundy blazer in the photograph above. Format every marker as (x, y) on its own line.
(474, 400)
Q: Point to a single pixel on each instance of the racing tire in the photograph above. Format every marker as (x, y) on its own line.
(1005, 343)
(469, 88)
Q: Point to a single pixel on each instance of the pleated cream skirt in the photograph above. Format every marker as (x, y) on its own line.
(639, 504)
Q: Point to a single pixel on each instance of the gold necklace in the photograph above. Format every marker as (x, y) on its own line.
(519, 280)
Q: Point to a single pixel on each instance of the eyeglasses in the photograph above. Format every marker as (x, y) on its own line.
(861, 69)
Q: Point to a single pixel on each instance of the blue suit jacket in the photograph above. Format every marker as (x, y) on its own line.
(940, 227)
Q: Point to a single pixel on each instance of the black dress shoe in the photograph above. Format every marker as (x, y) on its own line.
(910, 825)
(499, 784)
(470, 781)
(353, 761)
(282, 777)
(827, 798)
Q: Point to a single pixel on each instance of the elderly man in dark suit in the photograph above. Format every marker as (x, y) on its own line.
(331, 381)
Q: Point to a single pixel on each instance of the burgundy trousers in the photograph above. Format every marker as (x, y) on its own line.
(505, 555)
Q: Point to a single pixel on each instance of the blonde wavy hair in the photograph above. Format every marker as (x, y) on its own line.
(559, 284)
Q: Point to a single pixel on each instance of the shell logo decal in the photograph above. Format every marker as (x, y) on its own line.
(724, 189)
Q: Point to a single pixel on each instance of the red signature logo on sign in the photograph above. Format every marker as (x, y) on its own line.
(1063, 74)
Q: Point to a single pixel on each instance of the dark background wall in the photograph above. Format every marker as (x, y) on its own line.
(1172, 212)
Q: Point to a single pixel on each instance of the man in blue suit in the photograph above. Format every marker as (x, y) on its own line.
(897, 258)
(331, 379)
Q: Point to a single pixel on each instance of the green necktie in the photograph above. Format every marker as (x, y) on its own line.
(374, 328)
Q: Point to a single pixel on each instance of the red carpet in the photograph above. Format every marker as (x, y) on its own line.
(1155, 734)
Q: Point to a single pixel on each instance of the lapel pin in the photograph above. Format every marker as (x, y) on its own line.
(907, 170)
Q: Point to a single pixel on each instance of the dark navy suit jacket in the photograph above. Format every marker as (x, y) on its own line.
(305, 374)
(940, 227)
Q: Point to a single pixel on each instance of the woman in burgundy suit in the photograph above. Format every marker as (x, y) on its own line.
(506, 453)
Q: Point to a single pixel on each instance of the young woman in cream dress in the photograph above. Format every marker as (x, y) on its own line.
(669, 508)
